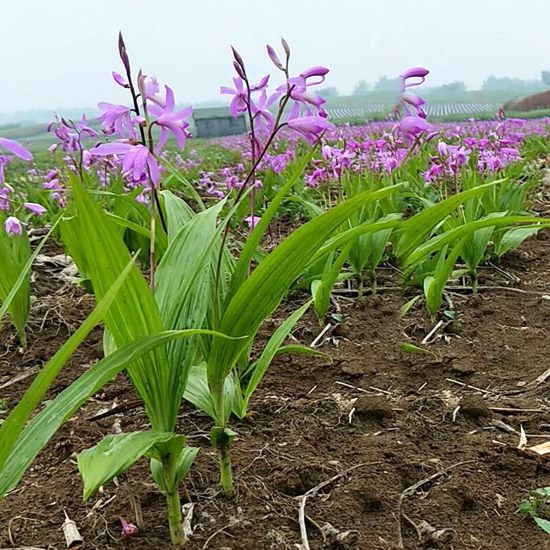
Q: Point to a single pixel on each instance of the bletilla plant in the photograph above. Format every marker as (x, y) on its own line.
(15, 250)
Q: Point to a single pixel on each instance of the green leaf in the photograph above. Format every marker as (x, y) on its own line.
(258, 296)
(512, 238)
(544, 524)
(321, 292)
(198, 393)
(405, 308)
(13, 425)
(300, 349)
(451, 236)
(435, 285)
(415, 230)
(255, 237)
(101, 252)
(178, 213)
(179, 459)
(113, 456)
(259, 368)
(411, 348)
(57, 411)
(14, 283)
(183, 290)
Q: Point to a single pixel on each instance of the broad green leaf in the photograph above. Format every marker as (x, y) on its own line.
(415, 230)
(133, 313)
(321, 296)
(180, 459)
(57, 411)
(198, 393)
(183, 290)
(405, 308)
(255, 237)
(259, 295)
(513, 238)
(434, 286)
(12, 426)
(300, 349)
(113, 456)
(436, 243)
(178, 213)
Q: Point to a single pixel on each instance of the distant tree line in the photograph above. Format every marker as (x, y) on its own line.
(491, 83)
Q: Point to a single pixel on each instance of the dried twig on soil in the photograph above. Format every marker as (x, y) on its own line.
(541, 379)
(428, 336)
(320, 336)
(312, 492)
(215, 533)
(23, 376)
(123, 407)
(514, 410)
(468, 386)
(409, 491)
(372, 388)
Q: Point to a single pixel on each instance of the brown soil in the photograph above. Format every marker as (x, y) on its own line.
(381, 418)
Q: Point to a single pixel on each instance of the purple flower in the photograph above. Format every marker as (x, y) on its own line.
(239, 103)
(117, 119)
(168, 120)
(260, 110)
(5, 198)
(311, 127)
(35, 208)
(13, 226)
(414, 72)
(412, 126)
(138, 163)
(252, 221)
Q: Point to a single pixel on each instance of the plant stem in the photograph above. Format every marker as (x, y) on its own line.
(175, 519)
(373, 281)
(226, 475)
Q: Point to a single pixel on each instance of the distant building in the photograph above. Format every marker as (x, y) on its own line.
(217, 122)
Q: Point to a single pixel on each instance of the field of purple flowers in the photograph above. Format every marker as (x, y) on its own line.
(387, 260)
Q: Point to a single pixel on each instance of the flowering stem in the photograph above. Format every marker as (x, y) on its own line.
(253, 151)
(152, 232)
(144, 141)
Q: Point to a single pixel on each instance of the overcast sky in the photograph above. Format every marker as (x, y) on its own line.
(60, 53)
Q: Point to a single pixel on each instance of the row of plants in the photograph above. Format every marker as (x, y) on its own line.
(174, 256)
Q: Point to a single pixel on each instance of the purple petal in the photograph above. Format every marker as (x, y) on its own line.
(15, 148)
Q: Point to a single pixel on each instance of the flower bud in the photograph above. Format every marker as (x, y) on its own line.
(239, 70)
(122, 52)
(286, 47)
(237, 57)
(120, 80)
(275, 58)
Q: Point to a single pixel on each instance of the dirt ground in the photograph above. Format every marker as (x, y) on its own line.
(368, 425)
